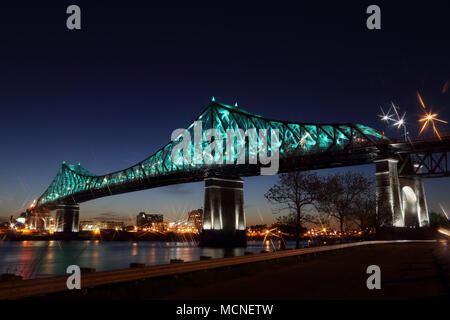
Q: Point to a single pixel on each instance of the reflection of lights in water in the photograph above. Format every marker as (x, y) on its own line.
(269, 234)
(108, 255)
(444, 231)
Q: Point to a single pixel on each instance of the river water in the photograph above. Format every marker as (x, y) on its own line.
(38, 259)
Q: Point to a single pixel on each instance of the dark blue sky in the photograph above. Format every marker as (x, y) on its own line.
(110, 95)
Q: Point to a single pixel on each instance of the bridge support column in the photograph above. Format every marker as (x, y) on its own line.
(35, 221)
(67, 216)
(414, 202)
(388, 193)
(424, 219)
(223, 217)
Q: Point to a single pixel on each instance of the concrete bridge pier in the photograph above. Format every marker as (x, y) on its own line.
(388, 192)
(414, 202)
(223, 217)
(67, 220)
(35, 221)
(400, 200)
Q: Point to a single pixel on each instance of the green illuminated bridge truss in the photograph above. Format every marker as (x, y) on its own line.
(302, 146)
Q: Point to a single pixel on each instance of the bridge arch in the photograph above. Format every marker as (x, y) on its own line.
(410, 206)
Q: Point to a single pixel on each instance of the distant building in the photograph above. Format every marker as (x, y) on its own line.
(88, 225)
(144, 219)
(195, 219)
(4, 225)
(116, 225)
(92, 225)
(257, 228)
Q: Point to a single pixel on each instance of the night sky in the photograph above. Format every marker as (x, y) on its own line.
(110, 94)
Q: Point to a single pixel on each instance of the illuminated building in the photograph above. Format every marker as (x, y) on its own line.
(91, 225)
(195, 219)
(144, 219)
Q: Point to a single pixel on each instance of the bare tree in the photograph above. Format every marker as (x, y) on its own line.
(287, 223)
(338, 193)
(365, 210)
(383, 215)
(292, 193)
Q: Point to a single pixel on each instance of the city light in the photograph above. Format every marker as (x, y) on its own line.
(401, 121)
(386, 116)
(302, 140)
(444, 231)
(429, 118)
(398, 121)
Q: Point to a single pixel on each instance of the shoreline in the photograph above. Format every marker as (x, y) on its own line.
(387, 233)
(107, 236)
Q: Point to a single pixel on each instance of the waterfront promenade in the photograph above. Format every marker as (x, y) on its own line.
(408, 271)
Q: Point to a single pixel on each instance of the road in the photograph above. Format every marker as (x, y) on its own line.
(408, 271)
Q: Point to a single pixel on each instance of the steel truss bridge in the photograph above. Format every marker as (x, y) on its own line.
(426, 158)
(302, 146)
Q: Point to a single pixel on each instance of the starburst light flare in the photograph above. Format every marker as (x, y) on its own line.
(429, 118)
(443, 211)
(386, 116)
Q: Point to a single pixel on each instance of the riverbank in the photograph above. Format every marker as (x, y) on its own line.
(384, 233)
(113, 235)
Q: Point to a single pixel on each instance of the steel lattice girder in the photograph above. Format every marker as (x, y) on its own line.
(296, 140)
(429, 165)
